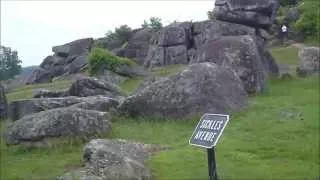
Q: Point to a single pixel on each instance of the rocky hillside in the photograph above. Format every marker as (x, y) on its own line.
(224, 60)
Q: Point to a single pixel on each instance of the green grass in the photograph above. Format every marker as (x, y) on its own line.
(286, 55)
(25, 92)
(277, 137)
(130, 85)
(168, 70)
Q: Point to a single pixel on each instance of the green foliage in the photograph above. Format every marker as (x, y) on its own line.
(10, 64)
(273, 138)
(309, 22)
(154, 23)
(277, 137)
(116, 38)
(289, 2)
(211, 15)
(101, 58)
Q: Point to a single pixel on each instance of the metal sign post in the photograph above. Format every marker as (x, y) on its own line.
(207, 134)
(212, 164)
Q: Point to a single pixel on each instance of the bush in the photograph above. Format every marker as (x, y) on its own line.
(101, 58)
(309, 22)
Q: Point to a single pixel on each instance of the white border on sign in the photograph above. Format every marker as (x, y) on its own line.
(215, 143)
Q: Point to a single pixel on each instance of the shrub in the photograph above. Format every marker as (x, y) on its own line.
(101, 58)
(309, 22)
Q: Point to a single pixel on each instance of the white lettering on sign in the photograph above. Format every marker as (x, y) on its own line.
(211, 124)
(208, 130)
(205, 136)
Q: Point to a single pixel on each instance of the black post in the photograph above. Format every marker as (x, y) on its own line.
(212, 164)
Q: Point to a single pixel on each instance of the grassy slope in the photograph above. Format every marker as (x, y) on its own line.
(25, 92)
(277, 137)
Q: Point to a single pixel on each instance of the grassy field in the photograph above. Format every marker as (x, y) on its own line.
(277, 137)
(26, 92)
(286, 55)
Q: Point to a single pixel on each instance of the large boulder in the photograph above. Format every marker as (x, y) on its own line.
(21, 108)
(255, 13)
(309, 61)
(205, 31)
(77, 47)
(203, 87)
(3, 103)
(175, 34)
(67, 59)
(39, 75)
(164, 56)
(92, 87)
(239, 53)
(75, 64)
(61, 122)
(114, 160)
(137, 46)
(179, 43)
(170, 45)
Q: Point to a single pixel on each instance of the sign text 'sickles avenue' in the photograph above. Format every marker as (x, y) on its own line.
(208, 130)
(207, 134)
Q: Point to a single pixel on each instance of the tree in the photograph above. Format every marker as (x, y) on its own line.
(10, 64)
(211, 15)
(154, 23)
(116, 38)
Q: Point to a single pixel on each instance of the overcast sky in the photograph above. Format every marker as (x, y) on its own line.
(33, 27)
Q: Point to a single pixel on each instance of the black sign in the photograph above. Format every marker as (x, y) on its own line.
(209, 130)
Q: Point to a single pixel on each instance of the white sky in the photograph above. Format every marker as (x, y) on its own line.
(33, 27)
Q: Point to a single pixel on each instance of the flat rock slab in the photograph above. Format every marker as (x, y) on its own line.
(255, 13)
(114, 160)
(21, 108)
(61, 122)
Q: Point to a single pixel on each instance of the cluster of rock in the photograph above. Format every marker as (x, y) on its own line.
(309, 61)
(240, 47)
(67, 59)
(226, 62)
(3, 103)
(114, 160)
(83, 110)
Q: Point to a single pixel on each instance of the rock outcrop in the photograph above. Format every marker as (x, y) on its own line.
(61, 122)
(67, 59)
(21, 108)
(255, 13)
(3, 103)
(83, 87)
(203, 87)
(114, 160)
(92, 87)
(179, 43)
(238, 53)
(309, 61)
(170, 45)
(137, 46)
(212, 30)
